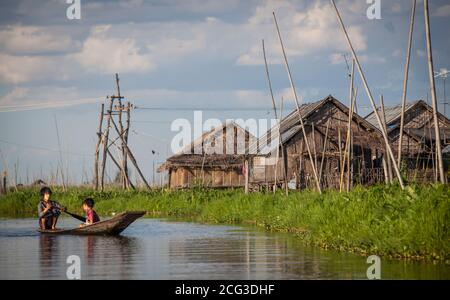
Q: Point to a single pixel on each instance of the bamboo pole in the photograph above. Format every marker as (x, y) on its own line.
(120, 123)
(105, 143)
(340, 144)
(130, 154)
(325, 144)
(383, 117)
(280, 144)
(280, 141)
(298, 106)
(120, 165)
(127, 130)
(351, 99)
(440, 165)
(369, 94)
(313, 136)
(246, 175)
(97, 147)
(405, 83)
(350, 149)
(60, 155)
(347, 143)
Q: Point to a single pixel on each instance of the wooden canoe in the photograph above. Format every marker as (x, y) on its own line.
(112, 226)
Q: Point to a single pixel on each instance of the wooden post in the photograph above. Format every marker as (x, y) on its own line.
(405, 83)
(130, 154)
(352, 100)
(120, 165)
(127, 130)
(347, 143)
(60, 155)
(122, 132)
(369, 94)
(340, 145)
(385, 169)
(440, 165)
(323, 150)
(246, 175)
(294, 92)
(153, 173)
(105, 143)
(280, 140)
(284, 155)
(313, 135)
(4, 183)
(97, 147)
(388, 161)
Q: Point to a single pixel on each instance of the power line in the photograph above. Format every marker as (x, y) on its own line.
(43, 148)
(46, 105)
(205, 109)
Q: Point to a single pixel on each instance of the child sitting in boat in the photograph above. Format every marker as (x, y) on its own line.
(48, 210)
(91, 215)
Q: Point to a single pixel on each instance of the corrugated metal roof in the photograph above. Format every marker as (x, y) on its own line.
(392, 113)
(290, 125)
(288, 128)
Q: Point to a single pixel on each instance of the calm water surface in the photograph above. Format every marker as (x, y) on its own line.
(159, 249)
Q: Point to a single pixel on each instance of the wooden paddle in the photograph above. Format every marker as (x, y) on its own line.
(82, 219)
(78, 217)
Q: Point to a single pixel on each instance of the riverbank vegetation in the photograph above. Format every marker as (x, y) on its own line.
(382, 220)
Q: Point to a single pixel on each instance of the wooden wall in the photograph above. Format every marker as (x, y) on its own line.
(186, 177)
(366, 152)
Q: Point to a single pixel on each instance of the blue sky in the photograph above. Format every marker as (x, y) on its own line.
(186, 55)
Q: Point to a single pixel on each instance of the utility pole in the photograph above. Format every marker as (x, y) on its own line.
(105, 142)
(97, 147)
(121, 131)
(121, 136)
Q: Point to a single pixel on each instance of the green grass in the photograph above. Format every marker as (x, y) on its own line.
(378, 220)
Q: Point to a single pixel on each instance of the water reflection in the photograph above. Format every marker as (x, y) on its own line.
(48, 249)
(247, 255)
(101, 257)
(155, 249)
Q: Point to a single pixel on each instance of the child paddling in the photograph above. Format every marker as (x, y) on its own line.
(48, 210)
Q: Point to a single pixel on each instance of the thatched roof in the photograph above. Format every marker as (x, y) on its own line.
(187, 157)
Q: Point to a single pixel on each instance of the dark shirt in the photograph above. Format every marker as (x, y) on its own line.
(92, 217)
(51, 212)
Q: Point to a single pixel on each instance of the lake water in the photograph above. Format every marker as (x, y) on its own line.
(160, 249)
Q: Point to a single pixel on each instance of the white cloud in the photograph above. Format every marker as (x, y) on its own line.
(442, 11)
(18, 39)
(336, 58)
(304, 31)
(20, 69)
(104, 54)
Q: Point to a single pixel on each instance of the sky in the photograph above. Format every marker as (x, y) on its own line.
(174, 57)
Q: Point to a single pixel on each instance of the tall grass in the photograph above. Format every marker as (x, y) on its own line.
(382, 220)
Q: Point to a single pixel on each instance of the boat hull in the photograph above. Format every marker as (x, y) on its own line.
(113, 226)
